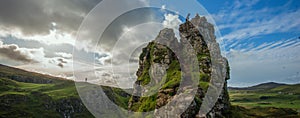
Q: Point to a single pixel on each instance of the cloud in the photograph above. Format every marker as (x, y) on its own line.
(60, 65)
(172, 21)
(56, 22)
(55, 66)
(61, 62)
(50, 22)
(281, 23)
(274, 61)
(53, 38)
(36, 16)
(52, 25)
(244, 19)
(35, 59)
(24, 55)
(163, 7)
(255, 54)
(32, 56)
(243, 3)
(64, 55)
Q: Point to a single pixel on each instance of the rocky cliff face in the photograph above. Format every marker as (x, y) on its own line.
(160, 69)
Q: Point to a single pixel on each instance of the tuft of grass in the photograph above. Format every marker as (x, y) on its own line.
(147, 103)
(204, 85)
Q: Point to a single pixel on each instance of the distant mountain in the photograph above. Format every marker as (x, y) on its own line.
(263, 86)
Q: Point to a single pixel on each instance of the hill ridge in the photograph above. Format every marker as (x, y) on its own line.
(26, 76)
(261, 86)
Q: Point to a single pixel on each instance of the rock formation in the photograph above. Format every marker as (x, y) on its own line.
(161, 70)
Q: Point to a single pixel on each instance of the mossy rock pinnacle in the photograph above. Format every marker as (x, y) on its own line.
(194, 32)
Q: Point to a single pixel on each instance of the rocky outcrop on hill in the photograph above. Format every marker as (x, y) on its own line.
(158, 62)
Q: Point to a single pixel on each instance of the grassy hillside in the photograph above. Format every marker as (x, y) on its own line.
(28, 94)
(19, 99)
(267, 95)
(26, 76)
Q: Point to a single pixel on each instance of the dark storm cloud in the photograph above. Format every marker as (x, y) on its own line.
(50, 50)
(13, 52)
(36, 16)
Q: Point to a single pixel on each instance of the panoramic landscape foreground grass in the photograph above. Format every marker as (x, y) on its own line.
(59, 98)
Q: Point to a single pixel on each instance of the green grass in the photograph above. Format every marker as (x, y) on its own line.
(286, 96)
(204, 85)
(147, 103)
(173, 80)
(62, 93)
(57, 91)
(14, 87)
(19, 99)
(266, 100)
(118, 96)
(261, 112)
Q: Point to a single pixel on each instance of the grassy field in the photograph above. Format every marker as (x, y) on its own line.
(264, 96)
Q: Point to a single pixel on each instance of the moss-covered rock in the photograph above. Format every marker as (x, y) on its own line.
(156, 53)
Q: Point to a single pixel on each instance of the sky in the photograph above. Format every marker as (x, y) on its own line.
(260, 38)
